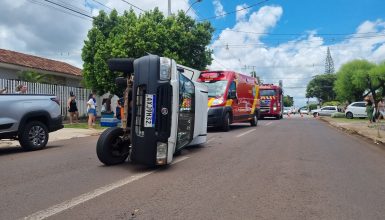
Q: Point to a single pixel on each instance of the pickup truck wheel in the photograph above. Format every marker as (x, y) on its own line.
(254, 121)
(111, 148)
(33, 136)
(226, 122)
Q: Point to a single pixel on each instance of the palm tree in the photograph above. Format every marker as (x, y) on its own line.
(34, 77)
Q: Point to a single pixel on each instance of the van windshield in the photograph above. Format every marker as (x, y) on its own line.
(216, 88)
(267, 92)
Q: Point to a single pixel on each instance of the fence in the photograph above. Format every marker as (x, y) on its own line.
(60, 91)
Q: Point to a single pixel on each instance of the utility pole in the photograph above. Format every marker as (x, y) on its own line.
(169, 8)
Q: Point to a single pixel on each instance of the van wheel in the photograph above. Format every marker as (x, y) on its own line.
(111, 148)
(33, 136)
(226, 122)
(349, 115)
(254, 121)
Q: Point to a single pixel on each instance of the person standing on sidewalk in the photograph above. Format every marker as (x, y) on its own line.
(73, 108)
(21, 89)
(91, 110)
(381, 109)
(369, 109)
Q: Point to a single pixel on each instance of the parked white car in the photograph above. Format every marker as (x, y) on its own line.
(356, 110)
(304, 110)
(324, 111)
(286, 110)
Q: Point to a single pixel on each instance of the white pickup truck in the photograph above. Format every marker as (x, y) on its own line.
(29, 118)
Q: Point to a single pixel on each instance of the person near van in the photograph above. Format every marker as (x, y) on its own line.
(73, 108)
(119, 107)
(369, 109)
(91, 110)
(381, 109)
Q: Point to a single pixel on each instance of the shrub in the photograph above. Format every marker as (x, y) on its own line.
(332, 103)
(338, 115)
(312, 107)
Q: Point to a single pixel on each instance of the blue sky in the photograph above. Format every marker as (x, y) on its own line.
(325, 16)
(294, 50)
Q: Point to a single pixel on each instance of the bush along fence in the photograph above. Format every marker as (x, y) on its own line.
(60, 91)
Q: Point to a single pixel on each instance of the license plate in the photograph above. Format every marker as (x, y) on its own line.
(149, 111)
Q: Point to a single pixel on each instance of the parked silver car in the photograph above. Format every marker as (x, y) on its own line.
(356, 110)
(324, 111)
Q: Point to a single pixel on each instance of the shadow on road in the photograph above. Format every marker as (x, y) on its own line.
(132, 167)
(17, 150)
(233, 127)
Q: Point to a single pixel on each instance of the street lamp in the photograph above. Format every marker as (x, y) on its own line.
(192, 5)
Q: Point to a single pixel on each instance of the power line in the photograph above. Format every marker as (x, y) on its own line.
(71, 6)
(298, 40)
(192, 8)
(70, 9)
(232, 12)
(296, 34)
(58, 9)
(220, 64)
(133, 5)
(102, 4)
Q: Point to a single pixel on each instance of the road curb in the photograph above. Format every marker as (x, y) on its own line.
(379, 143)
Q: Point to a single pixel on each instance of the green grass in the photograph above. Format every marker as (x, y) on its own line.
(83, 126)
(354, 120)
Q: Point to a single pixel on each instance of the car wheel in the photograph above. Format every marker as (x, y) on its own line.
(226, 122)
(349, 115)
(254, 121)
(111, 149)
(33, 136)
(315, 114)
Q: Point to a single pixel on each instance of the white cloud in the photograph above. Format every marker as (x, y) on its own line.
(241, 14)
(43, 31)
(218, 8)
(294, 61)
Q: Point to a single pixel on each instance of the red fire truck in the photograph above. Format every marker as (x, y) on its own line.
(232, 97)
(271, 101)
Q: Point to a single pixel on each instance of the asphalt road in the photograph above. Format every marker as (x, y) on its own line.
(298, 168)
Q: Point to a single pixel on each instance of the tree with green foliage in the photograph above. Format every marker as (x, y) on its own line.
(377, 75)
(321, 87)
(355, 80)
(288, 101)
(178, 37)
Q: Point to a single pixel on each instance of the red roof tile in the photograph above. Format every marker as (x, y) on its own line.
(25, 60)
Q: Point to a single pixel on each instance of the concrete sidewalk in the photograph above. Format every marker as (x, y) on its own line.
(62, 134)
(361, 128)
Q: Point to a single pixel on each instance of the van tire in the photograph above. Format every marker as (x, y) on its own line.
(226, 122)
(33, 136)
(254, 121)
(349, 115)
(110, 148)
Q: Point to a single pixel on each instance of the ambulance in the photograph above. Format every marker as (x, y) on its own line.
(232, 98)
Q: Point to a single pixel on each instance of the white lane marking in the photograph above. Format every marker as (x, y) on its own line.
(244, 133)
(269, 123)
(53, 210)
